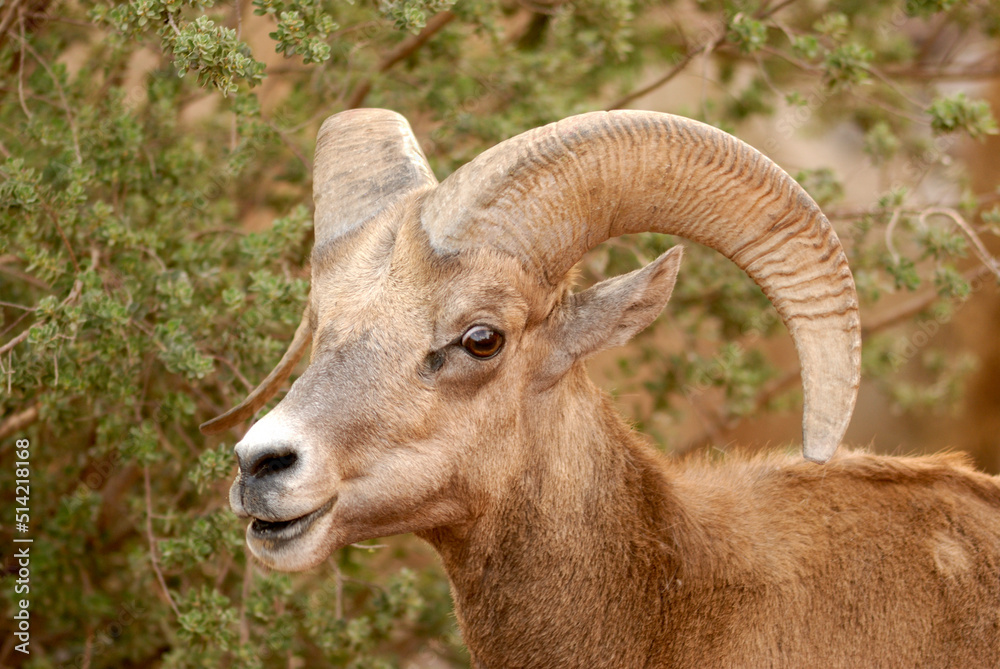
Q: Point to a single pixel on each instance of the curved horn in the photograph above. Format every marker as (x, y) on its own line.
(269, 386)
(366, 161)
(551, 194)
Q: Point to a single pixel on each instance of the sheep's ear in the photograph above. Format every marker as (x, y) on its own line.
(611, 312)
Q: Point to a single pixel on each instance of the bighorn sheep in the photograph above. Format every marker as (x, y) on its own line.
(446, 397)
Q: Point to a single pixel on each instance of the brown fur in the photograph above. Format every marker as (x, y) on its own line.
(569, 542)
(617, 557)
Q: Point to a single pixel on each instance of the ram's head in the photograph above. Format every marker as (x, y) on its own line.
(446, 346)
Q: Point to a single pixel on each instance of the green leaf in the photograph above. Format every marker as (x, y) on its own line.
(847, 65)
(747, 33)
(957, 113)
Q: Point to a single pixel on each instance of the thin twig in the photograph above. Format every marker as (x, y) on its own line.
(219, 231)
(898, 90)
(889, 229)
(16, 322)
(88, 649)
(803, 65)
(16, 306)
(235, 370)
(20, 73)
(170, 20)
(403, 50)
(15, 341)
(691, 54)
(8, 18)
(18, 421)
(768, 12)
(306, 163)
(244, 599)
(722, 423)
(234, 130)
(338, 594)
(69, 249)
(848, 213)
(891, 109)
(62, 96)
(914, 306)
(365, 26)
(73, 295)
(32, 96)
(942, 74)
(24, 276)
(224, 570)
(60, 19)
(152, 541)
(152, 254)
(984, 255)
(706, 48)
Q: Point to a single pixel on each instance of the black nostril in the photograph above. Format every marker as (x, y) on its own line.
(272, 463)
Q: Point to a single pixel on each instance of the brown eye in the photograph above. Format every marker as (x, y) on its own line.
(482, 342)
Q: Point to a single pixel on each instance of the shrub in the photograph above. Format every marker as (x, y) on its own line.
(141, 146)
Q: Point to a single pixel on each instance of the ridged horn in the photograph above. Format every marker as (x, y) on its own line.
(553, 193)
(366, 161)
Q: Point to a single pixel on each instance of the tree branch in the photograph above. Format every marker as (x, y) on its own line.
(23, 276)
(767, 12)
(70, 119)
(984, 255)
(693, 52)
(20, 71)
(403, 50)
(245, 598)
(18, 421)
(69, 247)
(8, 18)
(235, 370)
(706, 48)
(15, 341)
(943, 74)
(721, 423)
(152, 541)
(73, 295)
(916, 305)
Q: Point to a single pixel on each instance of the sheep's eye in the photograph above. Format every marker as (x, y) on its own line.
(482, 342)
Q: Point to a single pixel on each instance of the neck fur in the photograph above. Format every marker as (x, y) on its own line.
(571, 559)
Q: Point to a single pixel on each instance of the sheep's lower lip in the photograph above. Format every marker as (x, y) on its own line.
(287, 530)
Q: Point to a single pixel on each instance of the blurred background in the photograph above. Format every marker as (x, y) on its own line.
(155, 230)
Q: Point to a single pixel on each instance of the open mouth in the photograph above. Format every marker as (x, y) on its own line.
(286, 530)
